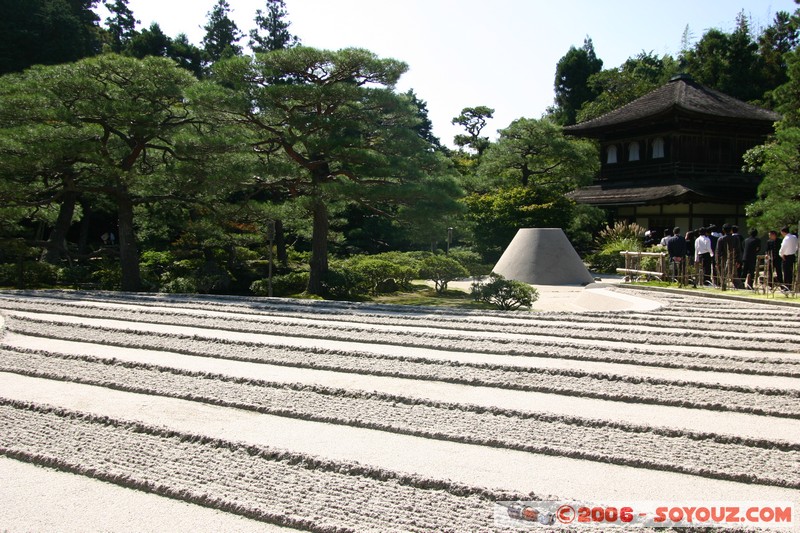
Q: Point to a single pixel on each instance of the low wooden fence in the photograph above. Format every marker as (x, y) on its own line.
(633, 265)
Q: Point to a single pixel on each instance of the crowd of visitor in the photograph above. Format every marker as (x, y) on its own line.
(721, 256)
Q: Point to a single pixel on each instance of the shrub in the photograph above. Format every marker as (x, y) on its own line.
(284, 285)
(620, 237)
(441, 270)
(506, 294)
(343, 284)
(408, 264)
(374, 272)
(621, 231)
(608, 258)
(75, 276)
(470, 260)
(109, 276)
(181, 285)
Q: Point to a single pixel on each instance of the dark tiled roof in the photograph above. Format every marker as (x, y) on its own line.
(683, 94)
(658, 192)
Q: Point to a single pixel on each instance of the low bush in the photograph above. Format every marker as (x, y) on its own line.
(441, 270)
(470, 260)
(506, 294)
(285, 285)
(608, 258)
(34, 274)
(343, 284)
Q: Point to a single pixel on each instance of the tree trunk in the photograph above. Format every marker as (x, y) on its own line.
(128, 252)
(57, 241)
(280, 243)
(83, 239)
(319, 247)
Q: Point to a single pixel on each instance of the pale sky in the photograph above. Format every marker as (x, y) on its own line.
(466, 53)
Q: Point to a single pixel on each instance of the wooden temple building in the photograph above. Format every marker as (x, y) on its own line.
(674, 157)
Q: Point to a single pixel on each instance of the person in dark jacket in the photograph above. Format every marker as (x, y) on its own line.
(752, 246)
(775, 265)
(728, 256)
(676, 247)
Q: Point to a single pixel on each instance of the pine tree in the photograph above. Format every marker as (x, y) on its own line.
(222, 34)
(121, 24)
(272, 29)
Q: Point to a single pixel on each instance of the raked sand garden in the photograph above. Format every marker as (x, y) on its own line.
(169, 413)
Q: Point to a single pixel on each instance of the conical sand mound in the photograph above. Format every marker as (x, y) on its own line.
(543, 256)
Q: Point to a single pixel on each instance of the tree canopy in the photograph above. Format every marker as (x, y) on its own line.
(272, 29)
(778, 202)
(47, 32)
(346, 133)
(108, 125)
(222, 36)
(571, 82)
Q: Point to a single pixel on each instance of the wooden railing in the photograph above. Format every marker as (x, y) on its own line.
(633, 264)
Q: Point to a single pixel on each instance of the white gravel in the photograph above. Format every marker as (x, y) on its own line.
(445, 412)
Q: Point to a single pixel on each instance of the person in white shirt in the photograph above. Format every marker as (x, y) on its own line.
(788, 254)
(703, 254)
(667, 235)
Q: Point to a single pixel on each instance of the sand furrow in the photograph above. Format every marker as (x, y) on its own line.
(761, 461)
(490, 399)
(772, 402)
(98, 330)
(500, 470)
(605, 331)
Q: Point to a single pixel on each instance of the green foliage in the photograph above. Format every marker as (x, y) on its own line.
(35, 274)
(289, 284)
(620, 237)
(616, 87)
(608, 258)
(121, 25)
(586, 221)
(504, 293)
(470, 260)
(375, 274)
(272, 29)
(348, 136)
(407, 263)
(116, 126)
(342, 284)
(730, 62)
(372, 271)
(779, 161)
(441, 270)
(46, 32)
(571, 82)
(536, 153)
(75, 276)
(497, 216)
(222, 34)
(473, 120)
(108, 276)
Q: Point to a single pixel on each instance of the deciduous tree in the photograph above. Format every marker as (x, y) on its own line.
(779, 160)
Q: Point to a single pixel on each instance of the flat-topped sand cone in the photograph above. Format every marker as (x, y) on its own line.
(543, 256)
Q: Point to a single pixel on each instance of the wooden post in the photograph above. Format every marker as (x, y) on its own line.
(271, 238)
